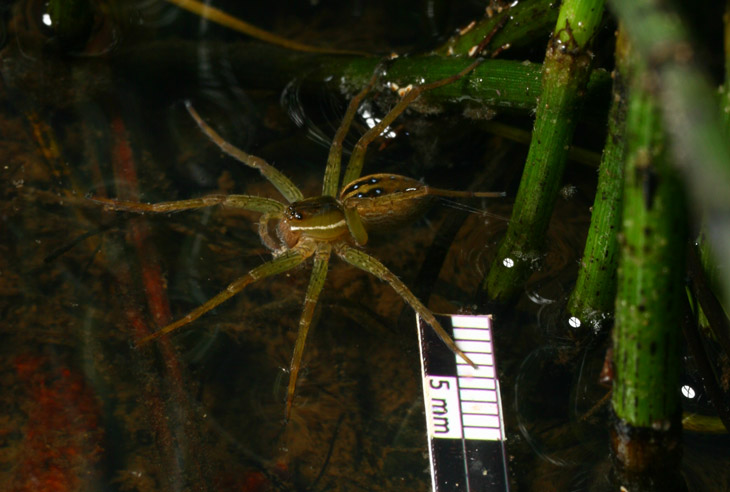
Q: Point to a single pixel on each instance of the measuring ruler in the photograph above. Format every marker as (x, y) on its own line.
(463, 408)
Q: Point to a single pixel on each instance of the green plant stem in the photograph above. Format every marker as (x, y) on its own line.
(650, 272)
(564, 79)
(647, 331)
(504, 85)
(521, 25)
(594, 294)
(689, 105)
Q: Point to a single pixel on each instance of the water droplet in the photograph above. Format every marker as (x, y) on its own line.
(688, 391)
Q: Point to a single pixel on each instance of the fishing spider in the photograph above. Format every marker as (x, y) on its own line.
(336, 221)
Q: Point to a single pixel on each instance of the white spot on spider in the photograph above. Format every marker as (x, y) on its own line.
(508, 262)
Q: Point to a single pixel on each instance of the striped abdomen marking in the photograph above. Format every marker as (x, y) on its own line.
(386, 199)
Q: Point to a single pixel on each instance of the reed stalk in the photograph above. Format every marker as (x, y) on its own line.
(689, 106)
(647, 332)
(564, 80)
(592, 299)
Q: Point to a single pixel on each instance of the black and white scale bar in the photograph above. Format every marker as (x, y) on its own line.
(463, 408)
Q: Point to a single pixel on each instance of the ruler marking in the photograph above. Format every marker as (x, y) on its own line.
(478, 346)
(463, 409)
(482, 371)
(470, 321)
(472, 334)
(483, 434)
(480, 420)
(477, 383)
(485, 408)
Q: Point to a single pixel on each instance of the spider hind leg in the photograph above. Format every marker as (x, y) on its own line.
(369, 264)
(316, 283)
(281, 264)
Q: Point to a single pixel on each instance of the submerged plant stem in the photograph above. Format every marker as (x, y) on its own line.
(564, 79)
(647, 332)
(689, 106)
(594, 293)
(522, 24)
(505, 85)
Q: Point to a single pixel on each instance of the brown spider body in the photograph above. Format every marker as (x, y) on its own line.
(321, 218)
(313, 229)
(386, 201)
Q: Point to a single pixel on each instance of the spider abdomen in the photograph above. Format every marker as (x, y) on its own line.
(320, 218)
(386, 200)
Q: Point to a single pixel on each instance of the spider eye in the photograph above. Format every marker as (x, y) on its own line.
(373, 180)
(298, 216)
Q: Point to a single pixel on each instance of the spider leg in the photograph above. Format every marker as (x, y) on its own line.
(371, 265)
(275, 246)
(273, 175)
(355, 225)
(332, 171)
(285, 262)
(248, 202)
(316, 282)
(354, 166)
(463, 194)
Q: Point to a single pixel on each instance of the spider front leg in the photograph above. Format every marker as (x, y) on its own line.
(316, 283)
(334, 158)
(286, 261)
(276, 178)
(354, 166)
(247, 202)
(371, 265)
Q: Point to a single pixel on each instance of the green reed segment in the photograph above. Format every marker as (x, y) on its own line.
(564, 80)
(521, 25)
(689, 105)
(594, 294)
(647, 331)
(651, 268)
(501, 84)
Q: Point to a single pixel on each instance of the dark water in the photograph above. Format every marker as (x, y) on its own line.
(85, 409)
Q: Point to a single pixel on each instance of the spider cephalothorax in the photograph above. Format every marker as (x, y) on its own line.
(321, 218)
(336, 222)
